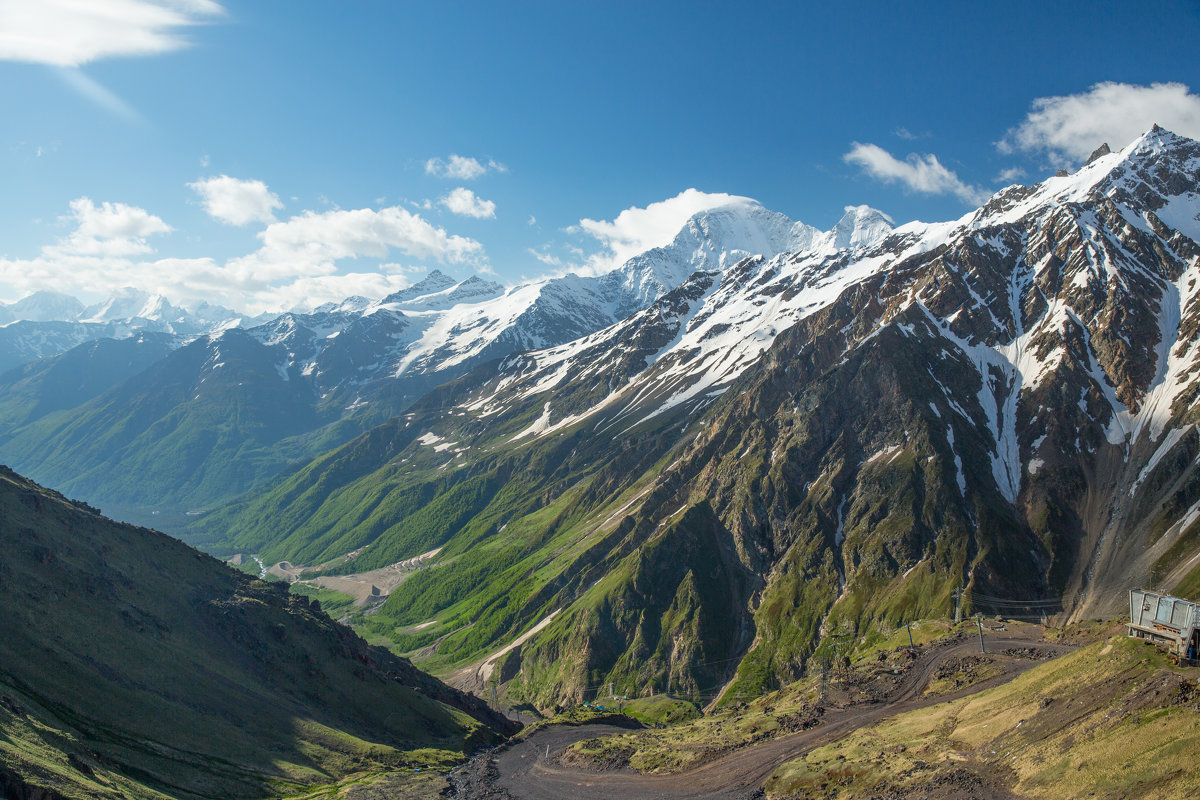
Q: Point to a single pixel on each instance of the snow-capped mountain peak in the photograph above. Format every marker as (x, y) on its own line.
(710, 240)
(472, 290)
(45, 306)
(860, 226)
(435, 281)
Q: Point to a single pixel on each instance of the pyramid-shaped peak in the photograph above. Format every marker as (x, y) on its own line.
(474, 289)
(434, 281)
(1159, 161)
(1157, 139)
(741, 226)
(861, 226)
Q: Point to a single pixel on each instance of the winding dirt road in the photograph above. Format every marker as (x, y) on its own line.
(520, 771)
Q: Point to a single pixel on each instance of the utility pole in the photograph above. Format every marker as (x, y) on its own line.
(611, 693)
(979, 624)
(958, 593)
(910, 641)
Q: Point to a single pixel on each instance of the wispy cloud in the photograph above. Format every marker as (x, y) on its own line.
(465, 203)
(1068, 128)
(543, 255)
(236, 202)
(99, 95)
(919, 173)
(70, 33)
(462, 168)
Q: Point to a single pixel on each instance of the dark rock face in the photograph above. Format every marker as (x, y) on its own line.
(1102, 150)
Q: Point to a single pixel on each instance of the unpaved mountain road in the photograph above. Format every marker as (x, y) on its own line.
(520, 771)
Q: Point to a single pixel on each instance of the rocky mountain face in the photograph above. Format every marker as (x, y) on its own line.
(135, 666)
(234, 407)
(786, 450)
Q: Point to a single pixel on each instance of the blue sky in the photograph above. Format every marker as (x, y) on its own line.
(270, 154)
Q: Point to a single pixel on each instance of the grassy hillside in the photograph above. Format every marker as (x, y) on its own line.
(186, 431)
(1110, 720)
(132, 665)
(65, 381)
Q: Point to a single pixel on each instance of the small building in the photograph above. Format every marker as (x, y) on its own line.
(1169, 622)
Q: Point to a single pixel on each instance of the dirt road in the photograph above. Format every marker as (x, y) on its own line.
(522, 771)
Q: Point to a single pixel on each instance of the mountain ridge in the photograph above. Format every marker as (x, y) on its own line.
(875, 429)
(343, 368)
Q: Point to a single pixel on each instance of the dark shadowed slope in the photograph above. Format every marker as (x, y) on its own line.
(133, 665)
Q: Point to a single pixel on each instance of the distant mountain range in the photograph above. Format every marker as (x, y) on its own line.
(223, 412)
(46, 324)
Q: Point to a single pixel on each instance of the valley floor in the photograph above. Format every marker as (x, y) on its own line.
(1052, 705)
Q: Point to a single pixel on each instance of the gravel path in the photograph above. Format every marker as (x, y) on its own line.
(520, 771)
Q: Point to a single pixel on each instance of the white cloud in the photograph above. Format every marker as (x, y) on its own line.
(465, 203)
(636, 230)
(236, 202)
(311, 243)
(297, 263)
(69, 33)
(110, 229)
(365, 231)
(1069, 127)
(461, 168)
(924, 174)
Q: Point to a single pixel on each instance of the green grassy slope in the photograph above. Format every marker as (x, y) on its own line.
(133, 665)
(65, 381)
(191, 430)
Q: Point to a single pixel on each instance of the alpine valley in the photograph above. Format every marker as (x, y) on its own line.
(693, 473)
